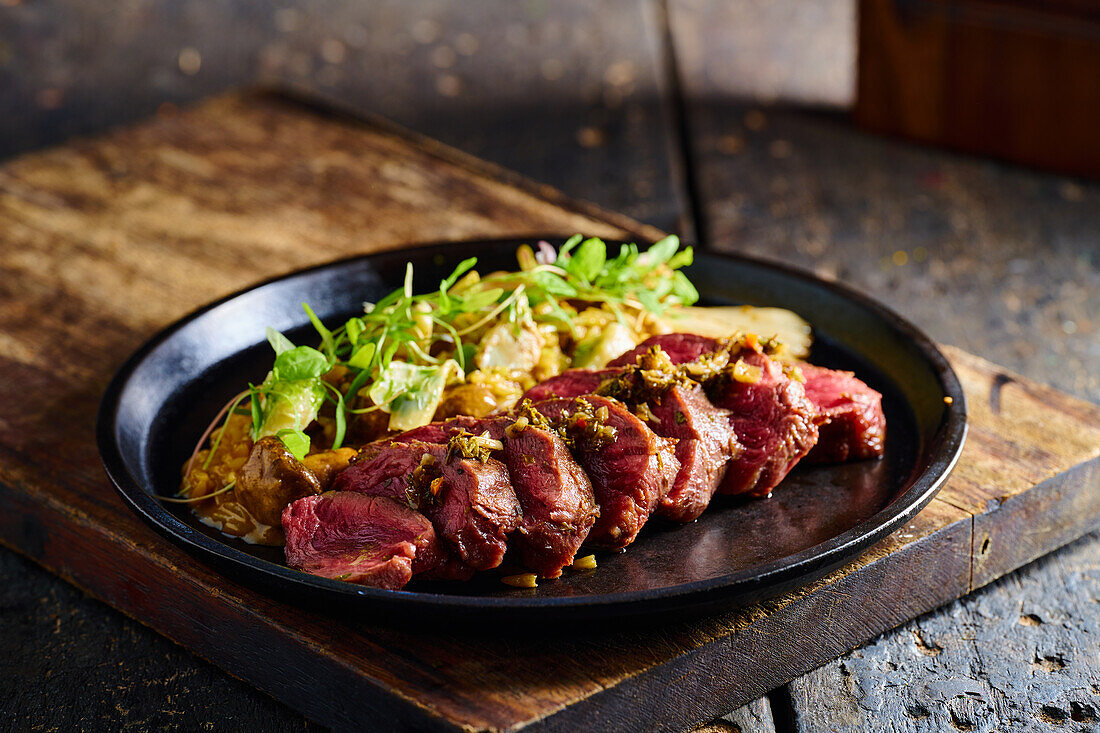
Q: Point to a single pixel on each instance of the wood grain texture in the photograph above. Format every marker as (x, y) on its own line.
(92, 668)
(114, 237)
(1022, 504)
(779, 51)
(1023, 654)
(527, 85)
(1015, 80)
(190, 207)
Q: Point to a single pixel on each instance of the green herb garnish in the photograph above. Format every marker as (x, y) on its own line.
(295, 441)
(403, 351)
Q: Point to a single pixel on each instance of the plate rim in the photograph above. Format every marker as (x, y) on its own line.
(753, 583)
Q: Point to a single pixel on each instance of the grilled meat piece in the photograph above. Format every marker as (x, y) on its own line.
(441, 431)
(470, 502)
(854, 426)
(674, 406)
(363, 539)
(680, 347)
(630, 467)
(270, 479)
(559, 503)
(571, 383)
(559, 507)
(706, 443)
(678, 410)
(773, 419)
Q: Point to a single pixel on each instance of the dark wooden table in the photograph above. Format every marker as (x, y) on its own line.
(1000, 261)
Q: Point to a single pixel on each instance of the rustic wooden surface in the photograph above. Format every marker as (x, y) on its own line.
(1003, 262)
(1024, 655)
(526, 84)
(91, 668)
(142, 202)
(782, 50)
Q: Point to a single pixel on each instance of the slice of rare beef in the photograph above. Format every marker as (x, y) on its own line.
(680, 347)
(854, 426)
(555, 494)
(707, 442)
(570, 383)
(440, 431)
(630, 467)
(470, 502)
(370, 540)
(676, 407)
(559, 503)
(774, 421)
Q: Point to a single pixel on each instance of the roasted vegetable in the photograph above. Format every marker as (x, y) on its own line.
(272, 478)
(720, 321)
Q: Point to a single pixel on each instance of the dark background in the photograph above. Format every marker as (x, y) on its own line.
(726, 121)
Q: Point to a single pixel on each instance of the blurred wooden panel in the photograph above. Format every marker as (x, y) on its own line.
(779, 50)
(567, 91)
(1010, 78)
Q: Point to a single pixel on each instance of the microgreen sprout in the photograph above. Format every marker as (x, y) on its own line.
(400, 354)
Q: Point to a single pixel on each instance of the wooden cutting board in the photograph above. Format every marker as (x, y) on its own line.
(105, 241)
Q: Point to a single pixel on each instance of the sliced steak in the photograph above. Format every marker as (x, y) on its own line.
(706, 443)
(631, 469)
(680, 347)
(706, 439)
(674, 406)
(854, 426)
(440, 431)
(559, 507)
(450, 567)
(362, 539)
(470, 502)
(384, 468)
(559, 503)
(570, 383)
(773, 419)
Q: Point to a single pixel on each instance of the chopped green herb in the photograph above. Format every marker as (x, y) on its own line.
(408, 348)
(474, 447)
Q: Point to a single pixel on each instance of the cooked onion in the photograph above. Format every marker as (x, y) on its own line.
(720, 322)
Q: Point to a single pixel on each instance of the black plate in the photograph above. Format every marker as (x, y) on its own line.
(739, 551)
